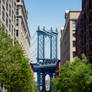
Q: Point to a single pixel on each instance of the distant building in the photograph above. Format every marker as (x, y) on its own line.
(84, 30)
(68, 36)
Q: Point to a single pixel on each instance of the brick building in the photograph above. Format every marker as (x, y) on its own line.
(84, 30)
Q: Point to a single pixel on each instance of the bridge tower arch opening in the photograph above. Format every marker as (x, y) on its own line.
(47, 82)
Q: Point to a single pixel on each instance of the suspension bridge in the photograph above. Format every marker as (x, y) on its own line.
(46, 56)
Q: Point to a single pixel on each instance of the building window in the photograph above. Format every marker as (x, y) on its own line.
(7, 5)
(3, 27)
(90, 57)
(9, 10)
(90, 4)
(12, 29)
(14, 32)
(9, 25)
(74, 53)
(17, 22)
(74, 22)
(6, 30)
(3, 14)
(6, 19)
(90, 32)
(90, 18)
(17, 32)
(74, 33)
(90, 46)
(12, 15)
(3, 1)
(12, 3)
(15, 5)
(14, 19)
(74, 43)
(17, 12)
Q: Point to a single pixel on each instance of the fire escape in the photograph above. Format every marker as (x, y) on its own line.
(89, 30)
(84, 30)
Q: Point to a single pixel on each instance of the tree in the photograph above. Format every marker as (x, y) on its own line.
(15, 73)
(74, 77)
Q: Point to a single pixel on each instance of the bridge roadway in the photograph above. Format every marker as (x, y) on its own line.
(45, 67)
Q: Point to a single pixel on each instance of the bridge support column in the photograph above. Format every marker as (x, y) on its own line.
(43, 87)
(41, 84)
(38, 80)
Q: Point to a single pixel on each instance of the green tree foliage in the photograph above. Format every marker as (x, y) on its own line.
(74, 77)
(15, 72)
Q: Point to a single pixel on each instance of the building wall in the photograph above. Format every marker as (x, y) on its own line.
(13, 16)
(65, 45)
(84, 30)
(68, 36)
(8, 15)
(22, 27)
(73, 18)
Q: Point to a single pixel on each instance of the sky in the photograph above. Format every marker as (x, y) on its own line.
(48, 13)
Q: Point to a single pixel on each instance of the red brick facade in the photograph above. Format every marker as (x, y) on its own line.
(84, 30)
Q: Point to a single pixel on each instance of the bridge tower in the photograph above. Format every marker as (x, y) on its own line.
(46, 65)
